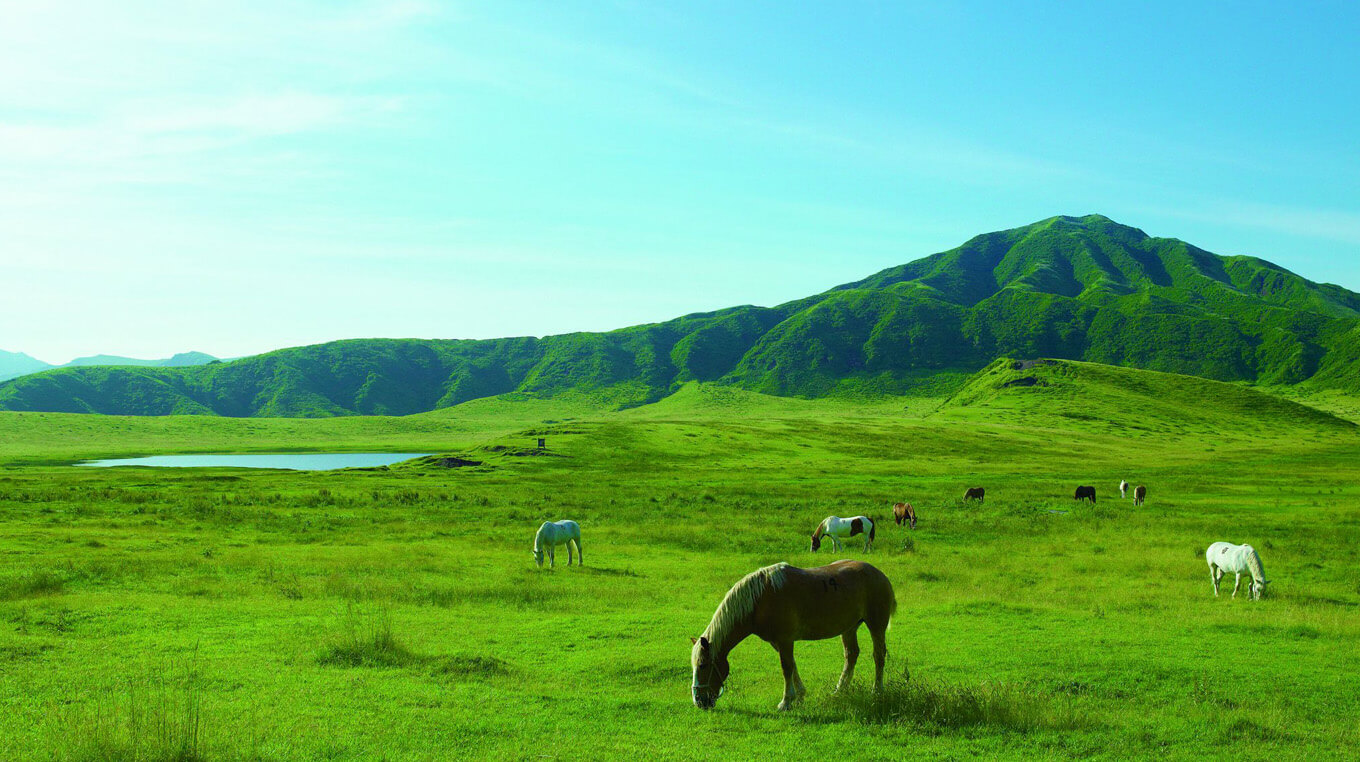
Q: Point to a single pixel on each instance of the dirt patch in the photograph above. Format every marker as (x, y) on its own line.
(456, 462)
(1027, 364)
(519, 452)
(1024, 381)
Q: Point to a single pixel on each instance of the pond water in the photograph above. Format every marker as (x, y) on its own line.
(294, 461)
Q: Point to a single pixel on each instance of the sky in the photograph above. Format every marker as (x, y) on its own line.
(235, 177)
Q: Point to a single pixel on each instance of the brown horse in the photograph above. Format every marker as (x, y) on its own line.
(904, 514)
(1139, 494)
(781, 604)
(1085, 493)
(975, 493)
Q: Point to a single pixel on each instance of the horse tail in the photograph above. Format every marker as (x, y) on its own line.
(873, 527)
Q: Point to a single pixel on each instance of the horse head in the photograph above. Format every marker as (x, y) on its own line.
(710, 672)
(1258, 589)
(538, 558)
(816, 542)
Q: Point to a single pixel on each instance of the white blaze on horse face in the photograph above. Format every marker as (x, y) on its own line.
(706, 685)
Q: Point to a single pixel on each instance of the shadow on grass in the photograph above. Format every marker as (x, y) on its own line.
(35, 583)
(944, 706)
(368, 641)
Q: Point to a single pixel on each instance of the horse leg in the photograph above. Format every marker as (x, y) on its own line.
(552, 556)
(790, 671)
(580, 557)
(1239, 584)
(851, 641)
(1214, 577)
(880, 654)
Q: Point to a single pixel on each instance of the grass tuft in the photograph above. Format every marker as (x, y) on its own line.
(153, 718)
(949, 706)
(368, 642)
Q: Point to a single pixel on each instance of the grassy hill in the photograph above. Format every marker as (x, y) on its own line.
(1082, 288)
(1064, 393)
(369, 613)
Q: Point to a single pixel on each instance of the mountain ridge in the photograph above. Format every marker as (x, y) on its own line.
(1079, 288)
(16, 364)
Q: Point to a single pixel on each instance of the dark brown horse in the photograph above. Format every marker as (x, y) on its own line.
(975, 493)
(782, 604)
(1139, 494)
(904, 514)
(1085, 493)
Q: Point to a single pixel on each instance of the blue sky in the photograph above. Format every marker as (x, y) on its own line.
(238, 177)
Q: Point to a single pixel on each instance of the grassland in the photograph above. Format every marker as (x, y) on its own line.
(396, 613)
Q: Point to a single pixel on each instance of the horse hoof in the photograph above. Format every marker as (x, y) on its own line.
(784, 706)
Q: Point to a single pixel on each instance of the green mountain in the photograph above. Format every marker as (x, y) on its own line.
(1079, 288)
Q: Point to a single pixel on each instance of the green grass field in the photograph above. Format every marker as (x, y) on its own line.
(396, 613)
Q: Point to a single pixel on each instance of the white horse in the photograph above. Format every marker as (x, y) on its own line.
(836, 527)
(554, 533)
(1225, 557)
(1123, 489)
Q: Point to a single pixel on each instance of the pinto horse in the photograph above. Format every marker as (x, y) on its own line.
(1123, 489)
(1085, 493)
(782, 604)
(554, 533)
(903, 513)
(975, 493)
(836, 527)
(1139, 494)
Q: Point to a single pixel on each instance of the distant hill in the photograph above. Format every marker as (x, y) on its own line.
(180, 360)
(1079, 288)
(15, 364)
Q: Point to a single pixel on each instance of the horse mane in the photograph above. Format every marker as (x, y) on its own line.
(1254, 563)
(740, 601)
(821, 528)
(538, 536)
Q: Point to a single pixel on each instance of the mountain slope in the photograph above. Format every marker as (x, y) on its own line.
(1082, 288)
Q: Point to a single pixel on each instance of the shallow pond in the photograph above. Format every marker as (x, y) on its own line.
(294, 461)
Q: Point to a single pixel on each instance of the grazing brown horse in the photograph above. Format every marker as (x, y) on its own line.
(904, 514)
(782, 604)
(1139, 494)
(1085, 493)
(975, 493)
